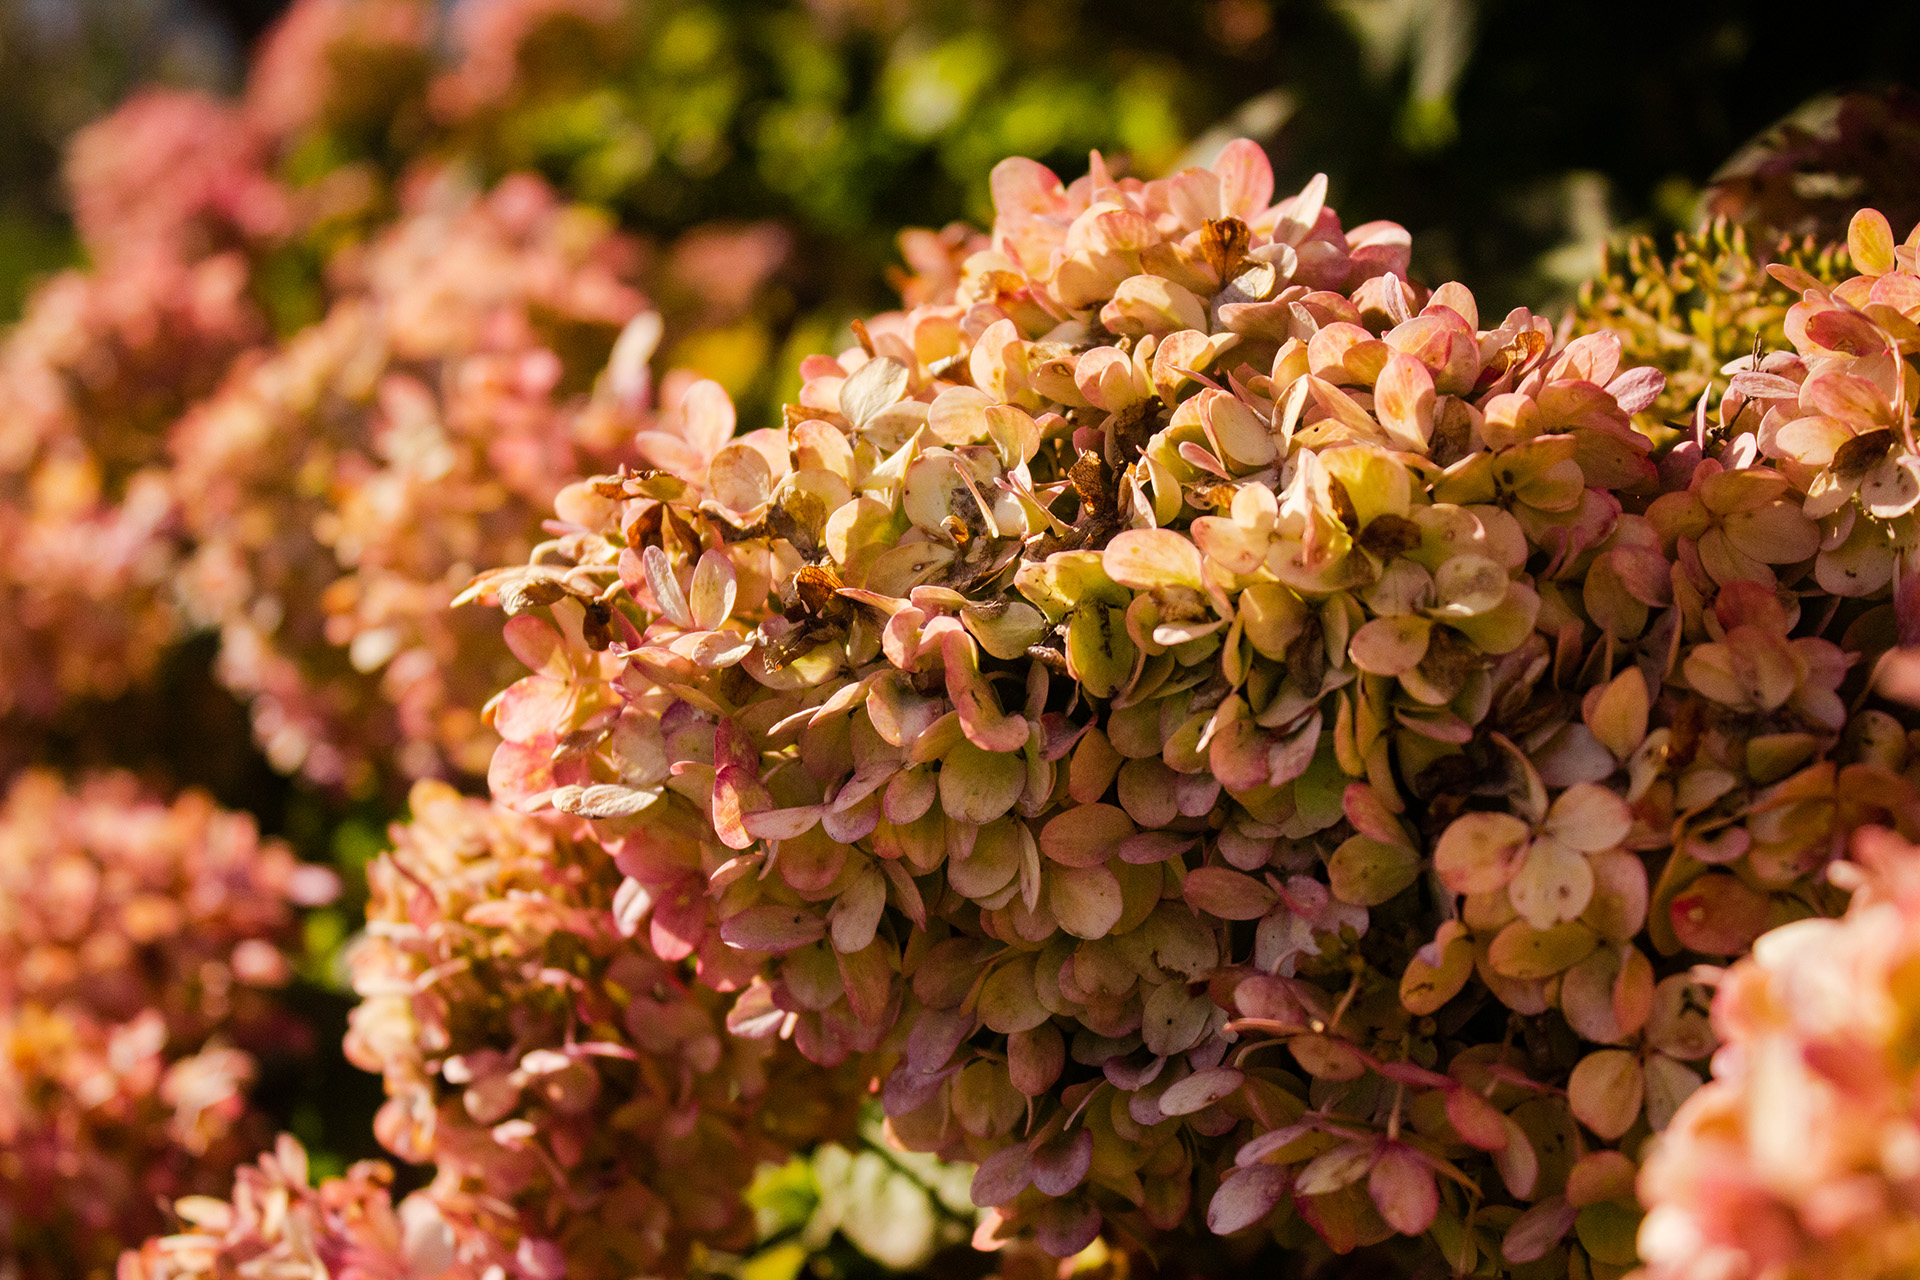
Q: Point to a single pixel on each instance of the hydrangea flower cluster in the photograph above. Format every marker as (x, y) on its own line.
(338, 491)
(141, 946)
(1222, 734)
(1834, 416)
(549, 1063)
(277, 1224)
(1801, 1156)
(171, 202)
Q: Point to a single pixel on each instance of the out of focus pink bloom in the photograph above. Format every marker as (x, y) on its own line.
(342, 489)
(141, 946)
(1802, 1156)
(276, 1225)
(497, 39)
(340, 63)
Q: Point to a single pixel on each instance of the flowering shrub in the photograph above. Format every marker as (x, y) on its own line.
(1223, 734)
(140, 949)
(1200, 727)
(551, 1064)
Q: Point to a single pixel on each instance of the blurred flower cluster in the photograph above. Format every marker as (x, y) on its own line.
(1220, 734)
(168, 193)
(1801, 1156)
(549, 1063)
(339, 489)
(142, 946)
(277, 1224)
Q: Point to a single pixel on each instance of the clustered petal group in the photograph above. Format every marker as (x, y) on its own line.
(425, 422)
(1802, 1154)
(1213, 729)
(579, 1100)
(277, 1224)
(142, 951)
